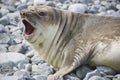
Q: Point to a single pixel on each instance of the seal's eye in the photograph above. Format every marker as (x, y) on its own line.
(42, 14)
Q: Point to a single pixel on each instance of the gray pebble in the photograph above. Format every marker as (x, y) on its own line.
(14, 48)
(36, 59)
(116, 77)
(9, 78)
(4, 38)
(22, 6)
(82, 71)
(11, 8)
(30, 54)
(98, 78)
(79, 8)
(4, 11)
(70, 77)
(38, 77)
(106, 70)
(3, 48)
(21, 66)
(39, 2)
(51, 3)
(4, 20)
(22, 74)
(28, 67)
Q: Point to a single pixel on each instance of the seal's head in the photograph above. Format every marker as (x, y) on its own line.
(40, 26)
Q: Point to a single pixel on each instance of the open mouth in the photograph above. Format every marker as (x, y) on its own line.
(28, 27)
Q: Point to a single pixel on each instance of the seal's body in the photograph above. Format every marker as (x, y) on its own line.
(67, 40)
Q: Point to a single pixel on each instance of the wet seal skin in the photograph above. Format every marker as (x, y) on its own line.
(67, 40)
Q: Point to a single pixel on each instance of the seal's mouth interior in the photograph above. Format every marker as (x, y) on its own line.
(28, 27)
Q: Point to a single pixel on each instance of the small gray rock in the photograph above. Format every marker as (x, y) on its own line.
(13, 18)
(30, 54)
(94, 73)
(38, 77)
(39, 2)
(11, 8)
(13, 57)
(36, 59)
(51, 3)
(9, 78)
(24, 1)
(106, 70)
(4, 20)
(70, 77)
(4, 38)
(15, 48)
(4, 11)
(116, 77)
(3, 48)
(79, 8)
(98, 78)
(22, 74)
(21, 66)
(82, 71)
(28, 67)
(2, 29)
(22, 6)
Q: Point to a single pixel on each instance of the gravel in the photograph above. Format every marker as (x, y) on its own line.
(18, 61)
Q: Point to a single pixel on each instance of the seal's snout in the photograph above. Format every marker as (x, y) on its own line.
(23, 13)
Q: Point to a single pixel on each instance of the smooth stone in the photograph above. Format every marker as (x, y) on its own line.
(110, 12)
(118, 6)
(39, 2)
(94, 73)
(9, 78)
(38, 77)
(116, 77)
(2, 28)
(24, 1)
(6, 67)
(4, 38)
(36, 59)
(102, 9)
(13, 57)
(28, 67)
(51, 3)
(82, 71)
(30, 54)
(78, 8)
(3, 48)
(21, 66)
(13, 18)
(98, 78)
(15, 48)
(22, 74)
(22, 6)
(102, 14)
(4, 11)
(106, 70)
(70, 77)
(4, 20)
(42, 70)
(86, 1)
(11, 8)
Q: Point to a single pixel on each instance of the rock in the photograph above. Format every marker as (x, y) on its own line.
(11, 8)
(94, 73)
(98, 78)
(30, 54)
(62, 1)
(3, 48)
(118, 6)
(15, 48)
(4, 11)
(9, 78)
(102, 13)
(70, 77)
(17, 3)
(86, 1)
(30, 3)
(24, 1)
(106, 70)
(116, 77)
(13, 18)
(6, 67)
(36, 59)
(79, 8)
(102, 9)
(110, 12)
(82, 71)
(2, 29)
(8, 2)
(4, 20)
(39, 2)
(51, 3)
(22, 6)
(21, 66)
(13, 57)
(22, 74)
(42, 70)
(28, 67)
(38, 77)
(64, 7)
(4, 38)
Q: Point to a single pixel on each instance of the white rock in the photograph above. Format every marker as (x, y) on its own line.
(118, 6)
(39, 2)
(15, 48)
(13, 57)
(9, 78)
(4, 38)
(79, 8)
(3, 48)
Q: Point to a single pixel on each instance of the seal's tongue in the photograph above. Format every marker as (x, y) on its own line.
(28, 27)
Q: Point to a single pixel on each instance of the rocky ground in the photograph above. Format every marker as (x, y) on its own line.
(18, 61)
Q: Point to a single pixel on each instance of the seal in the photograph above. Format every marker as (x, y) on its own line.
(67, 40)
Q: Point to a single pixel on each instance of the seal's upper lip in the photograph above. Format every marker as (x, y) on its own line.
(28, 27)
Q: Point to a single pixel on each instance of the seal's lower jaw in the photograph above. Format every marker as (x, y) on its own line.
(29, 29)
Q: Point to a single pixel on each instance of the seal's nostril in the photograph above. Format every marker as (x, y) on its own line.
(22, 13)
